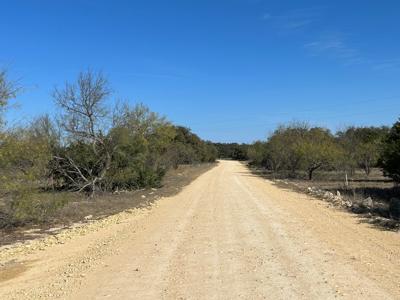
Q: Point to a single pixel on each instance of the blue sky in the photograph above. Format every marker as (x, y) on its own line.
(229, 69)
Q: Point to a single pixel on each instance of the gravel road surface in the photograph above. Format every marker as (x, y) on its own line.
(227, 235)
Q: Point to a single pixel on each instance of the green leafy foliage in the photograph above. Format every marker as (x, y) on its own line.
(299, 147)
(232, 151)
(362, 146)
(147, 145)
(258, 153)
(141, 139)
(317, 149)
(24, 158)
(390, 160)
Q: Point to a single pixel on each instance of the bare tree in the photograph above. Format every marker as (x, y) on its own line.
(8, 90)
(84, 118)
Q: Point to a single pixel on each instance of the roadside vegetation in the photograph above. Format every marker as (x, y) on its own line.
(358, 165)
(91, 147)
(233, 151)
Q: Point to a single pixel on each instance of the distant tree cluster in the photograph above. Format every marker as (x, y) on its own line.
(90, 146)
(233, 151)
(298, 148)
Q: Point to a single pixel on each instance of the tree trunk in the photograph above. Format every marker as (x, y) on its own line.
(311, 171)
(310, 174)
(367, 169)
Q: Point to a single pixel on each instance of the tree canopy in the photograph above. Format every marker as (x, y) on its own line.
(390, 160)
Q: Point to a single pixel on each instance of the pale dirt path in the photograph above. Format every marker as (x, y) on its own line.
(228, 235)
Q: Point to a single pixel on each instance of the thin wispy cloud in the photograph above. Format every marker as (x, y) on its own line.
(294, 19)
(332, 45)
(389, 64)
(336, 46)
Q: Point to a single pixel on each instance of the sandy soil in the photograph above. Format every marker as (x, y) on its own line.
(228, 235)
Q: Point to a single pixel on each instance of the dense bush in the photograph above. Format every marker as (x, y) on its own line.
(390, 160)
(299, 147)
(141, 140)
(37, 207)
(362, 146)
(191, 148)
(232, 151)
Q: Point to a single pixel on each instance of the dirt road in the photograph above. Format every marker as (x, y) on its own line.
(228, 235)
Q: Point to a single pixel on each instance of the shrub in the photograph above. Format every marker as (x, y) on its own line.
(390, 160)
(32, 207)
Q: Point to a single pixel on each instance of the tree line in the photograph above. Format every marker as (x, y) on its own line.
(298, 147)
(233, 151)
(90, 146)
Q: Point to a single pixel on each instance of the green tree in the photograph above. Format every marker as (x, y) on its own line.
(188, 148)
(142, 140)
(232, 151)
(362, 146)
(283, 145)
(317, 149)
(296, 147)
(23, 155)
(258, 153)
(390, 160)
(23, 161)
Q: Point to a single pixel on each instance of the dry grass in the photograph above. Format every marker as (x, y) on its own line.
(360, 185)
(379, 188)
(78, 207)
